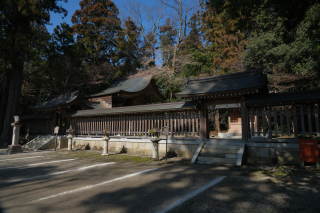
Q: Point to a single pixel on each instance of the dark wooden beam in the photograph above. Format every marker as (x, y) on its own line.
(244, 121)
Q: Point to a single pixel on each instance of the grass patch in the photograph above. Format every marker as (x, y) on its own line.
(265, 172)
(90, 155)
(280, 174)
(282, 170)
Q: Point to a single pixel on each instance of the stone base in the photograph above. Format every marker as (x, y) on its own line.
(105, 154)
(14, 149)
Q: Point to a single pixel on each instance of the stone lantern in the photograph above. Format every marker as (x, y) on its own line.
(106, 133)
(155, 133)
(15, 146)
(70, 132)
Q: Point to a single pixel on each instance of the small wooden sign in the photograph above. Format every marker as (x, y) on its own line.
(56, 130)
(166, 130)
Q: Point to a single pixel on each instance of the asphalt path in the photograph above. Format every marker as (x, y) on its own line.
(38, 182)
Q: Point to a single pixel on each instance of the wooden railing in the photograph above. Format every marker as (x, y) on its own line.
(184, 124)
(284, 121)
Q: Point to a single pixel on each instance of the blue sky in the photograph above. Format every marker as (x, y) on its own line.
(73, 5)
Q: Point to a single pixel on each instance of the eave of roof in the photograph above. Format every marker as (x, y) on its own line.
(150, 108)
(34, 116)
(61, 102)
(287, 98)
(233, 84)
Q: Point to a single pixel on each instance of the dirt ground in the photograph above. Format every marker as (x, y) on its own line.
(85, 181)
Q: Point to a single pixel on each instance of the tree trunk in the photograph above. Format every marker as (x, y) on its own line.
(13, 102)
(4, 97)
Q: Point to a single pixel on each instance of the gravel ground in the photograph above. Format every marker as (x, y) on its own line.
(257, 189)
(245, 189)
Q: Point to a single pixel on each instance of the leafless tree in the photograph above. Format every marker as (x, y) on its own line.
(141, 15)
(182, 11)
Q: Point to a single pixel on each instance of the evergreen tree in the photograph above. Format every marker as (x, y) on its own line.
(96, 25)
(19, 21)
(128, 48)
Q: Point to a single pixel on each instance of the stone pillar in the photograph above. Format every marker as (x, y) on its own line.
(106, 133)
(155, 152)
(155, 132)
(105, 145)
(15, 146)
(70, 132)
(70, 137)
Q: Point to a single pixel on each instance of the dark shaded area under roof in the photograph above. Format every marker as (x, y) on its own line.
(62, 101)
(94, 104)
(301, 97)
(188, 105)
(128, 85)
(34, 116)
(235, 82)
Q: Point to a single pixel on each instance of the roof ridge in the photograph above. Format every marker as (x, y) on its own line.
(227, 76)
(131, 77)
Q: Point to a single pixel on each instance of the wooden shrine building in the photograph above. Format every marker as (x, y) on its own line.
(131, 106)
(130, 91)
(224, 89)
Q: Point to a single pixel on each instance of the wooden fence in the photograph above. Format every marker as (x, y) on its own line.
(284, 121)
(39, 126)
(181, 124)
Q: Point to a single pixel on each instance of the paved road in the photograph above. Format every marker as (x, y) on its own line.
(38, 182)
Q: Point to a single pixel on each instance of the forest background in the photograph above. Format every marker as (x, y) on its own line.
(172, 40)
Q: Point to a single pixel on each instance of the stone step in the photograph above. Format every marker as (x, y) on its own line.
(218, 160)
(224, 141)
(221, 155)
(215, 146)
(220, 151)
(38, 142)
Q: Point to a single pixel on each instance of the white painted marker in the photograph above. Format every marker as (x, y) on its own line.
(35, 164)
(94, 185)
(22, 158)
(57, 173)
(187, 197)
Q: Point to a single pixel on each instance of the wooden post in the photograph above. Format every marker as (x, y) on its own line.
(275, 122)
(178, 121)
(288, 123)
(171, 123)
(185, 124)
(269, 123)
(263, 120)
(252, 122)
(203, 121)
(302, 122)
(281, 121)
(309, 121)
(316, 116)
(295, 122)
(258, 122)
(244, 121)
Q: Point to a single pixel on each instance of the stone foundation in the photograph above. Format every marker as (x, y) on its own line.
(273, 153)
(143, 147)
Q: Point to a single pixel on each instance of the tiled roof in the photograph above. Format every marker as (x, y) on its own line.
(188, 105)
(242, 81)
(130, 85)
(61, 101)
(289, 98)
